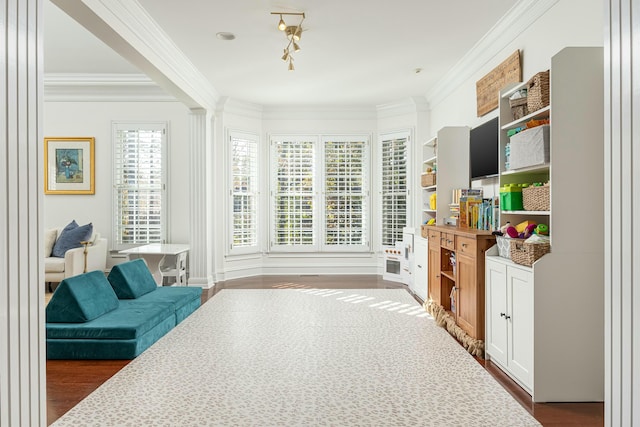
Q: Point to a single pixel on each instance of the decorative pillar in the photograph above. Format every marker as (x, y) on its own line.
(622, 212)
(22, 346)
(200, 199)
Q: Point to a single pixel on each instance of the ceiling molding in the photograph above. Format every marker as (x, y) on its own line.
(404, 107)
(103, 87)
(127, 28)
(234, 106)
(520, 17)
(319, 112)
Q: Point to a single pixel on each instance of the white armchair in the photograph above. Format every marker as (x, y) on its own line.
(57, 269)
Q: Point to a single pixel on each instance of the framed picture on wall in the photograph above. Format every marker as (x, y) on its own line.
(69, 165)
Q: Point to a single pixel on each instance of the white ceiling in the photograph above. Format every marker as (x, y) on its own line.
(354, 52)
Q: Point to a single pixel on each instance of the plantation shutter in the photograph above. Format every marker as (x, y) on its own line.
(293, 193)
(138, 182)
(394, 188)
(345, 195)
(244, 190)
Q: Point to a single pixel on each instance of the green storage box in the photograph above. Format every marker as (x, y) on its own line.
(511, 197)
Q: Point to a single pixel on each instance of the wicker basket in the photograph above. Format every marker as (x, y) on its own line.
(527, 253)
(428, 179)
(538, 91)
(519, 107)
(536, 198)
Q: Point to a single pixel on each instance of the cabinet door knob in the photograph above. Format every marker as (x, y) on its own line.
(507, 317)
(419, 266)
(464, 245)
(502, 314)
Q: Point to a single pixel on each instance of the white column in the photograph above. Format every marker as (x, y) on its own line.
(622, 212)
(22, 349)
(200, 199)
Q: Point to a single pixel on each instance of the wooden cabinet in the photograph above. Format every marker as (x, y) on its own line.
(459, 288)
(509, 325)
(468, 311)
(434, 270)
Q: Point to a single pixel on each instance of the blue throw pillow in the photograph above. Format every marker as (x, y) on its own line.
(70, 237)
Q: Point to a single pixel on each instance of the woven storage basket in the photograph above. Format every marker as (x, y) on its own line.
(536, 198)
(538, 91)
(519, 107)
(527, 253)
(428, 179)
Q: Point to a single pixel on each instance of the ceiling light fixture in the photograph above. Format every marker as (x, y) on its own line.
(293, 34)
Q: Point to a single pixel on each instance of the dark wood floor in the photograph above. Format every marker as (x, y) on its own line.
(70, 381)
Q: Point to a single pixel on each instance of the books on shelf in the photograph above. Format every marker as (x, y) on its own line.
(475, 211)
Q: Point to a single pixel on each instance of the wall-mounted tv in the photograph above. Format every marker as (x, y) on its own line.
(483, 150)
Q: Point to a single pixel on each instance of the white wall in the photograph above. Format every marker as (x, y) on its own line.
(567, 23)
(64, 119)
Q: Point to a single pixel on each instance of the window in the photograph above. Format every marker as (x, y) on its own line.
(393, 186)
(320, 194)
(345, 217)
(244, 192)
(139, 183)
(294, 199)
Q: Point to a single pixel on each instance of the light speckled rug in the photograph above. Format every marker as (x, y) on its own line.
(303, 357)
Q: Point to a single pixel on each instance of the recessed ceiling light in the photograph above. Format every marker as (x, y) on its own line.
(225, 36)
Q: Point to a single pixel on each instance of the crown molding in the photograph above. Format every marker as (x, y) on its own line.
(103, 88)
(520, 17)
(126, 27)
(403, 107)
(319, 112)
(228, 105)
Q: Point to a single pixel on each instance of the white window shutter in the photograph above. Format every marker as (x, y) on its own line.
(393, 187)
(244, 192)
(139, 183)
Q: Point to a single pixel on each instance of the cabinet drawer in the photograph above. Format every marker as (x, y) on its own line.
(434, 238)
(447, 240)
(466, 246)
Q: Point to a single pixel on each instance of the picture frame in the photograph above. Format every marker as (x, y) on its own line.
(69, 165)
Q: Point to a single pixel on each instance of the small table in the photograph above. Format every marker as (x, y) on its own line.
(154, 254)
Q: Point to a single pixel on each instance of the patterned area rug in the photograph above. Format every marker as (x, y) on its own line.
(303, 357)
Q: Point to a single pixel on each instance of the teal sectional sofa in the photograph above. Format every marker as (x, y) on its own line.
(91, 316)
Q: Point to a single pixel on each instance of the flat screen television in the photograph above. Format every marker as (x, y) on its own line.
(483, 150)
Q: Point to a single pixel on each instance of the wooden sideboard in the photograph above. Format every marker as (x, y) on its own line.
(459, 291)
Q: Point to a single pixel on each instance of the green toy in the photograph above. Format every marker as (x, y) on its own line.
(542, 230)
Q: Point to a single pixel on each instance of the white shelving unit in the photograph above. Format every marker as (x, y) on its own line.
(429, 160)
(545, 323)
(449, 151)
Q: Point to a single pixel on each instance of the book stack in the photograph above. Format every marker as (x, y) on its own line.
(475, 211)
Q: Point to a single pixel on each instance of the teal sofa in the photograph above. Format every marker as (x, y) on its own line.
(91, 316)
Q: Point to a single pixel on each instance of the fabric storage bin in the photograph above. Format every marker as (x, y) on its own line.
(529, 147)
(504, 246)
